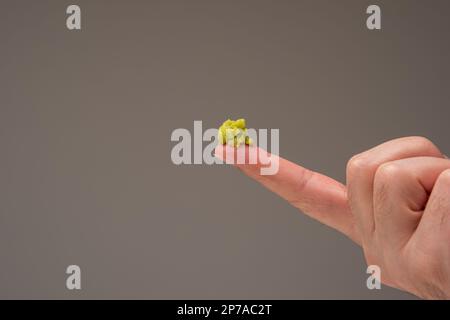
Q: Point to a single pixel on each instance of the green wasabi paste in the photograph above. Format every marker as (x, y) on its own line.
(234, 133)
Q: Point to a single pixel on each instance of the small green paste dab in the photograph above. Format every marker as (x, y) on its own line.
(234, 133)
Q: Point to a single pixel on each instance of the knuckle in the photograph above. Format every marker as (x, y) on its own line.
(388, 173)
(444, 177)
(357, 164)
(424, 143)
(386, 181)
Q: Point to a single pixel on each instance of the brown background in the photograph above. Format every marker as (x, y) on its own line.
(85, 123)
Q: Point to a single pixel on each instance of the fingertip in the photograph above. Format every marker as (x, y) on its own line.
(242, 156)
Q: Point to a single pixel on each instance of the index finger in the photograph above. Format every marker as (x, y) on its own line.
(317, 195)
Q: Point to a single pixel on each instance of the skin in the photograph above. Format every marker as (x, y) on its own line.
(395, 205)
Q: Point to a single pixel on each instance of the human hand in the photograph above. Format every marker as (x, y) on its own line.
(396, 206)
